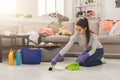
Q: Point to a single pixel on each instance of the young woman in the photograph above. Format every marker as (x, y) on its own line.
(93, 50)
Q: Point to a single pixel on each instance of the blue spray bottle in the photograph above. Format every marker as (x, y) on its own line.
(18, 58)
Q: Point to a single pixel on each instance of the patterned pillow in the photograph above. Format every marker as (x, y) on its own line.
(54, 26)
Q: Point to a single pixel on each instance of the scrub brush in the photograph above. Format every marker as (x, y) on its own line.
(51, 68)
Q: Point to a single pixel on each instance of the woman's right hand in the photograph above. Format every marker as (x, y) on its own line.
(55, 59)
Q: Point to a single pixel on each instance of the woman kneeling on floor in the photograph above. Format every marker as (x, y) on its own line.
(93, 53)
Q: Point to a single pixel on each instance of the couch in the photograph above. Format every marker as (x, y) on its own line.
(111, 44)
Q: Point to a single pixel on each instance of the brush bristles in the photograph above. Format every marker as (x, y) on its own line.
(50, 68)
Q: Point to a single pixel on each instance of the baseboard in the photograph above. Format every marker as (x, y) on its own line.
(106, 55)
(112, 55)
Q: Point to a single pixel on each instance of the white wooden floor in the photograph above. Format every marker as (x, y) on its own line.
(108, 71)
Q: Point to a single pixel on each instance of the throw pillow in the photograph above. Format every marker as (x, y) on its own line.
(54, 26)
(107, 24)
(64, 31)
(115, 29)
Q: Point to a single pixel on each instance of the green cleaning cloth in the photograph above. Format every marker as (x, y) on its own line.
(73, 66)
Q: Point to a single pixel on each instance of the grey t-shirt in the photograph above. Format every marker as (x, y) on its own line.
(81, 39)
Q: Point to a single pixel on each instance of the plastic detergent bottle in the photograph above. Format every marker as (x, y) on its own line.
(18, 57)
(11, 57)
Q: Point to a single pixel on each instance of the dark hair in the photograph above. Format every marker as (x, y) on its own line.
(83, 23)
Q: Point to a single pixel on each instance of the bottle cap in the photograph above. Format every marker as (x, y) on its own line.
(19, 50)
(11, 50)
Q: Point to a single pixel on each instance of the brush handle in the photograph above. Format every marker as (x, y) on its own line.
(55, 59)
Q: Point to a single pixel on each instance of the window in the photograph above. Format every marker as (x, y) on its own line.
(7, 6)
(50, 6)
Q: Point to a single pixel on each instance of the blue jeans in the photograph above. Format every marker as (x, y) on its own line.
(94, 59)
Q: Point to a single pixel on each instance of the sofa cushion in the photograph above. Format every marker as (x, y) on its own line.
(69, 25)
(109, 39)
(93, 24)
(57, 38)
(115, 29)
(101, 30)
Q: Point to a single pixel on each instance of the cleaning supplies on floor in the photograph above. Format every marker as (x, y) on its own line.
(18, 57)
(73, 66)
(54, 67)
(11, 58)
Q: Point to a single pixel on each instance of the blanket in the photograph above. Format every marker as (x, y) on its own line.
(47, 31)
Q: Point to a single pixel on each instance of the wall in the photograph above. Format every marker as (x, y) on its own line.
(109, 10)
(69, 8)
(30, 7)
(21, 24)
(20, 27)
(27, 7)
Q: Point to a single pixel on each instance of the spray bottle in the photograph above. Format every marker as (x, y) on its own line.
(11, 58)
(18, 57)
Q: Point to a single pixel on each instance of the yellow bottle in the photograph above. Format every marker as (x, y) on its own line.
(11, 57)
